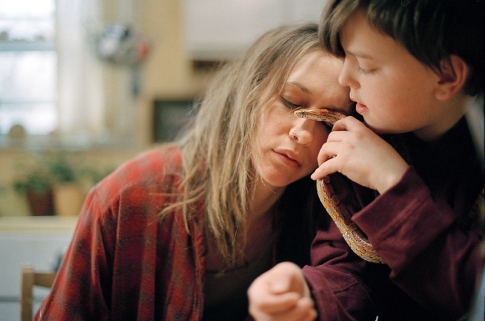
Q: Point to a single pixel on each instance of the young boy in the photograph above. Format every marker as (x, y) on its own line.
(412, 66)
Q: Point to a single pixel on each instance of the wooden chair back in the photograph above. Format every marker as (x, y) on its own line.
(29, 279)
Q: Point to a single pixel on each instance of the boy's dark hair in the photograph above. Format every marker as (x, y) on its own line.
(431, 30)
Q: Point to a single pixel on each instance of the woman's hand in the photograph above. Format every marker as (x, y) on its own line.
(360, 154)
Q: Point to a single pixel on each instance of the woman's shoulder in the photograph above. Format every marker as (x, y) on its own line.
(131, 198)
(140, 185)
(157, 170)
(156, 161)
(149, 166)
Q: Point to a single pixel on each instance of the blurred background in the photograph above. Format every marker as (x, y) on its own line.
(88, 84)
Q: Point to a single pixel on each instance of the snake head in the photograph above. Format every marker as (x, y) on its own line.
(328, 116)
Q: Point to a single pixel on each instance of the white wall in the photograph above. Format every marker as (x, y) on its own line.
(39, 248)
(221, 29)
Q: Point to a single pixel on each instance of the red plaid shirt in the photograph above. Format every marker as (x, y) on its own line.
(123, 264)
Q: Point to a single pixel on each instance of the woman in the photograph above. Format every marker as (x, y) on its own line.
(180, 232)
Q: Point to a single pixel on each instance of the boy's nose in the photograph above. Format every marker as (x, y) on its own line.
(346, 78)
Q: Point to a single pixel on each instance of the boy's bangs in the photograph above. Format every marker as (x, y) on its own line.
(333, 19)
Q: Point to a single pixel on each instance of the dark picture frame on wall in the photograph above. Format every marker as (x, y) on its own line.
(169, 118)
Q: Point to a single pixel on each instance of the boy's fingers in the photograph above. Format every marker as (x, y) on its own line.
(302, 310)
(280, 285)
(327, 168)
(328, 151)
(309, 313)
(276, 304)
(277, 294)
(348, 123)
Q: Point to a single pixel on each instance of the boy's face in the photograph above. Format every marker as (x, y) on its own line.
(393, 90)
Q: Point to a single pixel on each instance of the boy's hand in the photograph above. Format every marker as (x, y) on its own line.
(281, 294)
(360, 154)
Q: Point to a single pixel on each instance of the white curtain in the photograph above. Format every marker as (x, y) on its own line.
(95, 98)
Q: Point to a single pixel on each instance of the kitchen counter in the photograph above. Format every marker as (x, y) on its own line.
(38, 223)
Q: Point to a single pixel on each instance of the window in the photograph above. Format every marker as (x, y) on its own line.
(52, 82)
(28, 65)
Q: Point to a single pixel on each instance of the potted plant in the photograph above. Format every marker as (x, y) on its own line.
(37, 185)
(68, 194)
(55, 184)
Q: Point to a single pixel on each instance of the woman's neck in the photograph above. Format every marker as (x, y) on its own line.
(265, 197)
(260, 229)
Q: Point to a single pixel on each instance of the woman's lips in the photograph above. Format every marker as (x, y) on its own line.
(284, 158)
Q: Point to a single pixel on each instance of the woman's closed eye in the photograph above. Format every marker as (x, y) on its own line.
(289, 104)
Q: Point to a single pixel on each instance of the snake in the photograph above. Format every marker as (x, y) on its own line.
(352, 234)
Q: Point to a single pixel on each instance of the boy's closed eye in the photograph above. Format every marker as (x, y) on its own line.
(366, 71)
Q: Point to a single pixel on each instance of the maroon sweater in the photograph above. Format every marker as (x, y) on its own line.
(421, 227)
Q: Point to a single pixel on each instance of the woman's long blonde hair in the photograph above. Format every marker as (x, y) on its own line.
(216, 149)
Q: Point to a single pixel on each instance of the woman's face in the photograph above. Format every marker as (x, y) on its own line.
(287, 146)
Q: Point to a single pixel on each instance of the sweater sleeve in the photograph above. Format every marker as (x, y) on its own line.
(334, 279)
(431, 257)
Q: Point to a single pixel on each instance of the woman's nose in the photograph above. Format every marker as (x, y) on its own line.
(303, 130)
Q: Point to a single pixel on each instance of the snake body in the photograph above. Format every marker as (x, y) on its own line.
(355, 238)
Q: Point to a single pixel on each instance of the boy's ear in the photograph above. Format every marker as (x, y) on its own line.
(453, 76)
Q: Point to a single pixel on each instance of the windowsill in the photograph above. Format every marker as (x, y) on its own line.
(36, 223)
(78, 143)
(27, 46)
